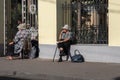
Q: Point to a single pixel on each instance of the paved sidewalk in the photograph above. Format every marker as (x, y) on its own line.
(38, 69)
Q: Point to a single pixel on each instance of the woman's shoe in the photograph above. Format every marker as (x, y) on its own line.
(67, 57)
(60, 59)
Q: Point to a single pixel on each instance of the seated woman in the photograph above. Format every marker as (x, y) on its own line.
(34, 52)
(18, 41)
(64, 43)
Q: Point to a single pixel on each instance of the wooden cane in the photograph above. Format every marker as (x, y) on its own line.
(54, 54)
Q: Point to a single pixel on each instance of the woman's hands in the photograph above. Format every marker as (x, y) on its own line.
(11, 43)
(60, 41)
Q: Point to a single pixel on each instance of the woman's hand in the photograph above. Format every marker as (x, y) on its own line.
(11, 43)
(62, 31)
(60, 41)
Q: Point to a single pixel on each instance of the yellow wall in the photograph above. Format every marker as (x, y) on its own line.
(47, 21)
(114, 22)
(50, 21)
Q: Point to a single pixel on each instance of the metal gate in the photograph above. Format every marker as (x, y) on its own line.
(89, 20)
(25, 10)
(30, 12)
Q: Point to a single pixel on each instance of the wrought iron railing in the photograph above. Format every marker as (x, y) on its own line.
(89, 20)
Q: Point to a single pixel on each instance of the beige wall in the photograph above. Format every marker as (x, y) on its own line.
(114, 22)
(50, 19)
(47, 21)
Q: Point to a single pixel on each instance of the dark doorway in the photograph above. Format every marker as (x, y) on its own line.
(20, 10)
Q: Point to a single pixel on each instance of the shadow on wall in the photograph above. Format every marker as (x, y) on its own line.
(117, 78)
(11, 78)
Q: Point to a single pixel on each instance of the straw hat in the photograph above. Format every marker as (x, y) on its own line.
(21, 26)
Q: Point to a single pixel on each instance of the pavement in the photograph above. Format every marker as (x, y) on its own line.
(42, 69)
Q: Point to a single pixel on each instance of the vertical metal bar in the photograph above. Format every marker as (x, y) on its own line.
(70, 13)
(27, 12)
(33, 16)
(67, 13)
(96, 23)
(24, 11)
(30, 15)
(93, 19)
(79, 15)
(63, 12)
(79, 21)
(36, 14)
(4, 29)
(86, 27)
(69, 18)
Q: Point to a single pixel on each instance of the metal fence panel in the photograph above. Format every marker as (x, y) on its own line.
(89, 20)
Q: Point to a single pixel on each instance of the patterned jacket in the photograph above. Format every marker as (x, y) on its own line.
(19, 40)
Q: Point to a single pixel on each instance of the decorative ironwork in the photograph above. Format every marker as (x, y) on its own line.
(29, 12)
(16, 10)
(89, 20)
(30, 16)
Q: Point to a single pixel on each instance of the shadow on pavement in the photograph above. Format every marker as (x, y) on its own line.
(117, 78)
(11, 78)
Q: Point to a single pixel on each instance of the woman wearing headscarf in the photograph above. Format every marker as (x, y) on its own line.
(64, 43)
(18, 41)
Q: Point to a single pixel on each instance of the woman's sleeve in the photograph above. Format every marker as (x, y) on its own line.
(68, 35)
(24, 35)
(16, 38)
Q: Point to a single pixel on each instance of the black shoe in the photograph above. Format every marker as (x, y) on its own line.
(67, 57)
(60, 60)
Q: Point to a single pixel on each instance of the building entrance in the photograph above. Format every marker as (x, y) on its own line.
(24, 11)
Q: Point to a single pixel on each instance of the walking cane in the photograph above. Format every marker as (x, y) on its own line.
(54, 54)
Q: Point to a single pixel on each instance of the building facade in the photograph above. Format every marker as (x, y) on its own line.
(96, 27)
(92, 52)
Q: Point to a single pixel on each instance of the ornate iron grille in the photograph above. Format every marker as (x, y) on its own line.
(30, 12)
(89, 20)
(16, 10)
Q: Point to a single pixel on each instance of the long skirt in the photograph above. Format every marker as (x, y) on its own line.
(65, 46)
(10, 50)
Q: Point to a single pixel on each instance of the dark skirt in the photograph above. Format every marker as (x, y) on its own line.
(65, 46)
(10, 50)
(35, 44)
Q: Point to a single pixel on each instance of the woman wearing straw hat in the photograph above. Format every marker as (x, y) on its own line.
(64, 43)
(18, 41)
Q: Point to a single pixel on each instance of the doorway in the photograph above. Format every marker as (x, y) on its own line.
(23, 10)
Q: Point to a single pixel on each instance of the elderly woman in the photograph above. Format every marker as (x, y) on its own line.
(18, 41)
(64, 43)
